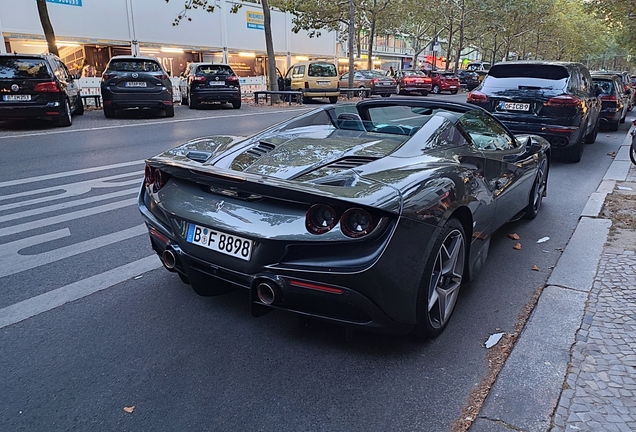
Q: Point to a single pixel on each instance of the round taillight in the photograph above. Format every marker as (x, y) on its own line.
(356, 222)
(149, 174)
(320, 218)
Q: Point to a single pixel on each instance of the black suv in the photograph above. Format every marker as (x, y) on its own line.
(208, 82)
(136, 82)
(556, 100)
(38, 86)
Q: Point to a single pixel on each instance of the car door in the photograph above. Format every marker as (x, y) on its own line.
(508, 168)
(68, 84)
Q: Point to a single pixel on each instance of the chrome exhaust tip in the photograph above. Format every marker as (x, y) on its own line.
(169, 259)
(266, 293)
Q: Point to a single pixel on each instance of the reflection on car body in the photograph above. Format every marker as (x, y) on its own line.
(361, 214)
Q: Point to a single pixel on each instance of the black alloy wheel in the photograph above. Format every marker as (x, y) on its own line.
(191, 103)
(539, 189)
(441, 281)
(574, 153)
(170, 111)
(632, 150)
(236, 104)
(109, 112)
(79, 106)
(333, 99)
(65, 118)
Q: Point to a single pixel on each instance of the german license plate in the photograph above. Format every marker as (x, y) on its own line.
(452, 87)
(219, 241)
(135, 83)
(515, 106)
(16, 97)
(217, 83)
(322, 82)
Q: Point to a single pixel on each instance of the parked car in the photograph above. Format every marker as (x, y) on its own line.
(615, 101)
(375, 80)
(556, 100)
(315, 79)
(38, 86)
(208, 82)
(412, 81)
(626, 80)
(480, 68)
(443, 81)
(369, 215)
(468, 79)
(136, 83)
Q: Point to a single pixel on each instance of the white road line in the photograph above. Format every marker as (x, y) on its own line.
(13, 262)
(66, 205)
(66, 217)
(148, 123)
(69, 173)
(45, 302)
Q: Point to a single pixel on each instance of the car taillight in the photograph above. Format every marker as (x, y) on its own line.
(232, 78)
(564, 101)
(476, 96)
(375, 81)
(163, 77)
(47, 87)
(149, 175)
(320, 218)
(357, 222)
(306, 85)
(198, 78)
(107, 76)
(408, 80)
(609, 98)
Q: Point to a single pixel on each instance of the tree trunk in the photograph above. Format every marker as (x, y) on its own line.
(371, 39)
(460, 41)
(269, 46)
(352, 18)
(49, 34)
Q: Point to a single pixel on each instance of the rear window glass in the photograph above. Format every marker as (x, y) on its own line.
(212, 69)
(134, 66)
(373, 74)
(413, 73)
(606, 86)
(551, 72)
(322, 70)
(15, 67)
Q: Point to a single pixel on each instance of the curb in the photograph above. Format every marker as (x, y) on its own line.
(528, 387)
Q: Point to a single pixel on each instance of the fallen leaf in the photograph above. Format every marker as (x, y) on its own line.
(543, 239)
(535, 268)
(493, 339)
(611, 154)
(129, 409)
(517, 246)
(514, 236)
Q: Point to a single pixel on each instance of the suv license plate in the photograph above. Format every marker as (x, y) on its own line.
(514, 106)
(217, 83)
(135, 83)
(219, 241)
(16, 97)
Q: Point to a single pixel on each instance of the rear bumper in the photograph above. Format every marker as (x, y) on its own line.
(416, 89)
(312, 93)
(52, 109)
(215, 95)
(158, 100)
(557, 135)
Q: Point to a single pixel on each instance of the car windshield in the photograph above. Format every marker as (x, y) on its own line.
(322, 70)
(212, 69)
(373, 74)
(527, 76)
(16, 67)
(134, 66)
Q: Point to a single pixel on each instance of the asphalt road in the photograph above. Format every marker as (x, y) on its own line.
(135, 336)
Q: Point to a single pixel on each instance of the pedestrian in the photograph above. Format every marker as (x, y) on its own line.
(391, 72)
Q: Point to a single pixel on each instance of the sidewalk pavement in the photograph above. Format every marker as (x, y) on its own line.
(573, 367)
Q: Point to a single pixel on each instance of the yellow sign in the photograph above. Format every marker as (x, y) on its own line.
(254, 20)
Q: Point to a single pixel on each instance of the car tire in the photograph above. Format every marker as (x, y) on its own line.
(424, 93)
(333, 99)
(436, 89)
(79, 109)
(574, 153)
(170, 111)
(109, 112)
(305, 99)
(386, 94)
(191, 103)
(613, 126)
(621, 121)
(441, 281)
(453, 91)
(361, 92)
(632, 152)
(236, 104)
(591, 137)
(539, 189)
(398, 90)
(65, 119)
(184, 99)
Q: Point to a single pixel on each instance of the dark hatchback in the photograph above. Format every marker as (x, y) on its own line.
(38, 86)
(207, 82)
(615, 102)
(555, 100)
(136, 83)
(468, 79)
